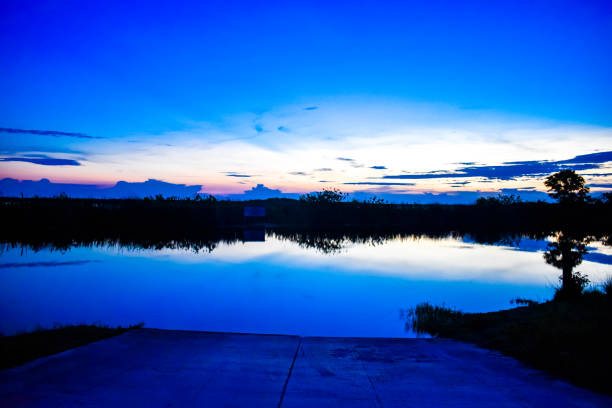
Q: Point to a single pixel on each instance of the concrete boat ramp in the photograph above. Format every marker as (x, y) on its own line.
(162, 368)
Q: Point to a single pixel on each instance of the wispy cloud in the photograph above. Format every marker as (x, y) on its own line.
(352, 162)
(514, 170)
(53, 133)
(42, 160)
(373, 183)
(238, 175)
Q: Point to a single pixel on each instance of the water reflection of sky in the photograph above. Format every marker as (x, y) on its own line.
(275, 286)
(597, 252)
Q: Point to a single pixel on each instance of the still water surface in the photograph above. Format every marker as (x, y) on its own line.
(276, 286)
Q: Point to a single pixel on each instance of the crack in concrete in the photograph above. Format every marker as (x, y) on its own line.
(280, 402)
(378, 400)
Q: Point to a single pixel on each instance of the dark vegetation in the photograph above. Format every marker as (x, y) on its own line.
(152, 223)
(21, 348)
(173, 222)
(568, 338)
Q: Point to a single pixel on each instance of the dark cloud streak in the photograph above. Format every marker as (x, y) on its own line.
(514, 170)
(43, 161)
(371, 183)
(47, 263)
(53, 133)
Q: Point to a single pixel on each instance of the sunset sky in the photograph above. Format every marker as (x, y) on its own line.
(393, 97)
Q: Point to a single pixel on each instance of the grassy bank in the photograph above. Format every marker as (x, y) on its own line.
(21, 348)
(568, 339)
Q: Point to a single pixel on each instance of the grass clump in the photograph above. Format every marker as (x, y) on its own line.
(427, 318)
(21, 348)
(607, 286)
(569, 338)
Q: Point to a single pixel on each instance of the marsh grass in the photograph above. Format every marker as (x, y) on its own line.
(427, 318)
(607, 286)
(21, 348)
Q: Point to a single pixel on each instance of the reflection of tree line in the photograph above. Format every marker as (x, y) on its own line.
(325, 241)
(565, 252)
(207, 244)
(330, 242)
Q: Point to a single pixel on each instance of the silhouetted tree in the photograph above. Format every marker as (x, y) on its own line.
(325, 196)
(567, 187)
(498, 201)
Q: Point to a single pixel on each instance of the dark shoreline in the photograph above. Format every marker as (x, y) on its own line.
(569, 339)
(24, 347)
(151, 223)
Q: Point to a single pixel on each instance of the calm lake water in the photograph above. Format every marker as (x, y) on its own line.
(276, 286)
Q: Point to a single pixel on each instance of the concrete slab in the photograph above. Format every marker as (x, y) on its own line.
(344, 372)
(161, 368)
(157, 368)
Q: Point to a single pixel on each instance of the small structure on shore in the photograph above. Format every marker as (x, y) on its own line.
(253, 212)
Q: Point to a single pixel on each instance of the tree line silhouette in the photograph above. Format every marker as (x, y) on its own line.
(205, 220)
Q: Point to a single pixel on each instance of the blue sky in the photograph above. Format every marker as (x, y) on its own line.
(201, 92)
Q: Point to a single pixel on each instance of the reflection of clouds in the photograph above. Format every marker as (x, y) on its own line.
(43, 264)
(446, 259)
(601, 248)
